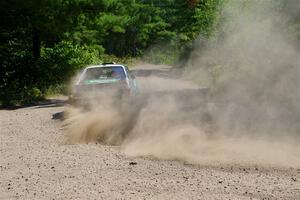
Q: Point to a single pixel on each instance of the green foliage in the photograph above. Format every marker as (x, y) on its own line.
(43, 43)
(58, 64)
(53, 90)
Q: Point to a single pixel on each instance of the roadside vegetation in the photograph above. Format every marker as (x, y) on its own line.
(44, 43)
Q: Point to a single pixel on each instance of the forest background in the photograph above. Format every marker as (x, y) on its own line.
(44, 43)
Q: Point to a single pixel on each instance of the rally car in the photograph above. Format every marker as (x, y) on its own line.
(108, 80)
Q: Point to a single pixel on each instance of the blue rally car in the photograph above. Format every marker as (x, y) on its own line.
(105, 79)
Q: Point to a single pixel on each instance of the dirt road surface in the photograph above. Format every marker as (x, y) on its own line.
(36, 164)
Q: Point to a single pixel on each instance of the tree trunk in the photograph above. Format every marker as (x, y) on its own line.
(36, 44)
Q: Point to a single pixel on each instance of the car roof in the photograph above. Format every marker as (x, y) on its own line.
(107, 65)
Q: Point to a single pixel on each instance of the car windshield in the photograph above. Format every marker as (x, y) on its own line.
(102, 73)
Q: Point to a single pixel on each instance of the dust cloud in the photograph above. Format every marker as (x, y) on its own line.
(250, 115)
(255, 67)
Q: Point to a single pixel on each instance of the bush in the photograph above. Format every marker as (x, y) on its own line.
(27, 80)
(58, 64)
(19, 95)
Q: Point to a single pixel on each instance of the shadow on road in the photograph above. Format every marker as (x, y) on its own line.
(47, 103)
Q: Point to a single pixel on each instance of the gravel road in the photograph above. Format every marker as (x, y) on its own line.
(36, 164)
